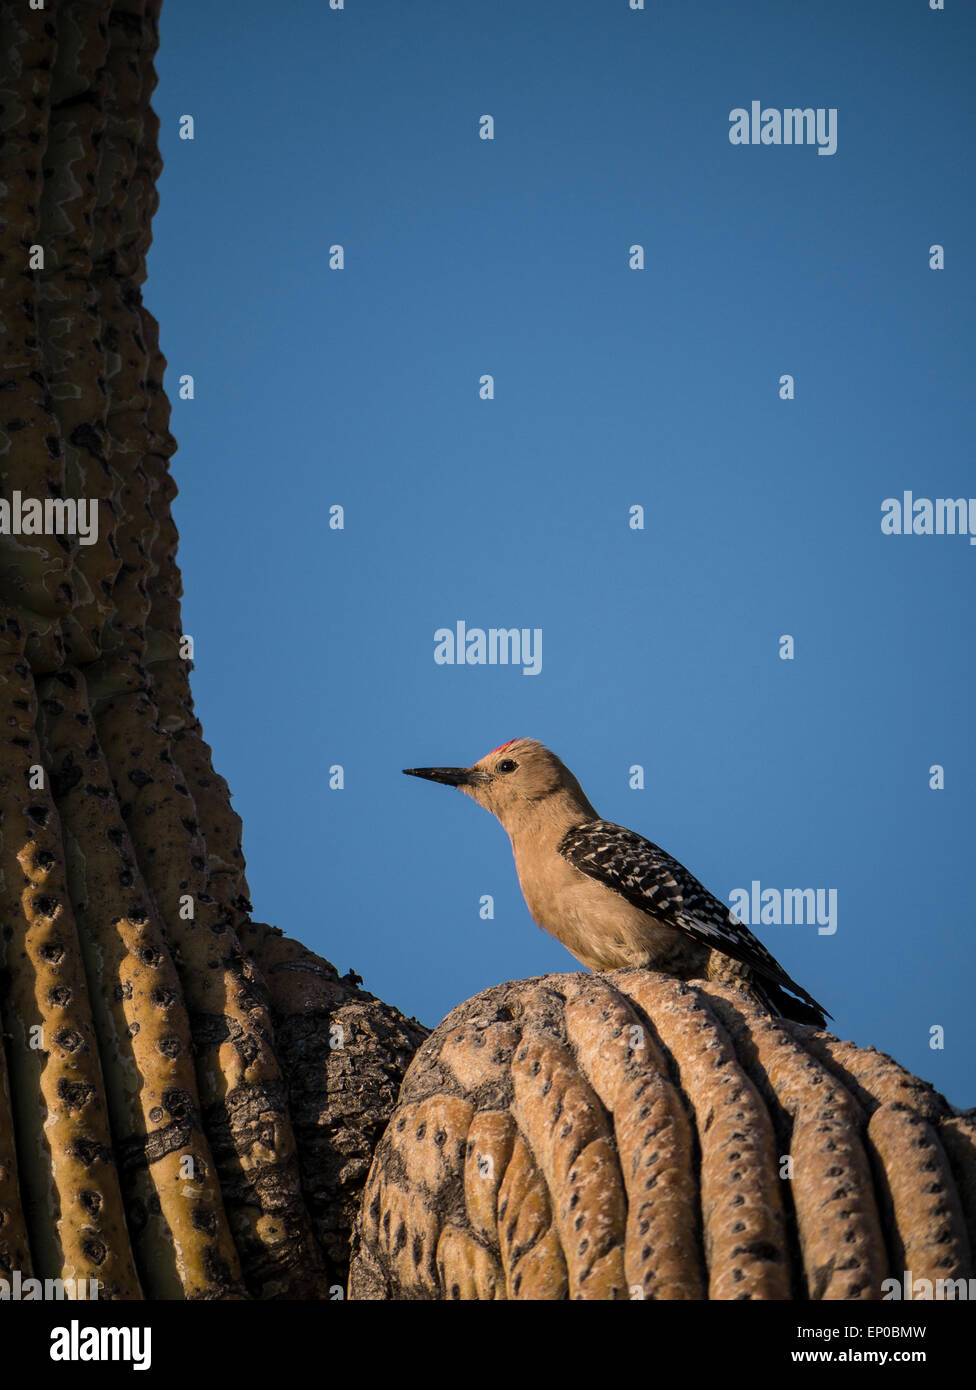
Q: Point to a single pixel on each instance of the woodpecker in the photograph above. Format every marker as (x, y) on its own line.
(610, 896)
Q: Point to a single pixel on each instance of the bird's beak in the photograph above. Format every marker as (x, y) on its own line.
(450, 776)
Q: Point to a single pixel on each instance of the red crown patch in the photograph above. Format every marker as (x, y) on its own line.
(503, 745)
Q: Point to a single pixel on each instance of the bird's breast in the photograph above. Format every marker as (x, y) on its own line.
(598, 926)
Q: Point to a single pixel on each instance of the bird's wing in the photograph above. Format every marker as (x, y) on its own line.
(650, 879)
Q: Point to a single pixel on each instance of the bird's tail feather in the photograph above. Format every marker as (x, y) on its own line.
(795, 1009)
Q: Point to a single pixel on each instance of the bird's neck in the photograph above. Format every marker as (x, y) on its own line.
(546, 821)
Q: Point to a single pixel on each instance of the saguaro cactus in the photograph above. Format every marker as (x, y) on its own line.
(173, 1120)
(630, 1136)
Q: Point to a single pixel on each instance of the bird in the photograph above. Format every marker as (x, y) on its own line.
(613, 898)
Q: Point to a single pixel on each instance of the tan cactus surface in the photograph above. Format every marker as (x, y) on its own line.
(630, 1136)
(188, 1101)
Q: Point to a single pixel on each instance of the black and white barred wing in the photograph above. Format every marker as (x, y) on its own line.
(650, 879)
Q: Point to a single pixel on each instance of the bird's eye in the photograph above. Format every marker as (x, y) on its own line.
(506, 765)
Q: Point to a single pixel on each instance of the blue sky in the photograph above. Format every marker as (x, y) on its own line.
(613, 388)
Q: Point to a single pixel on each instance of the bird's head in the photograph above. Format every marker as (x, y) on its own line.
(518, 778)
